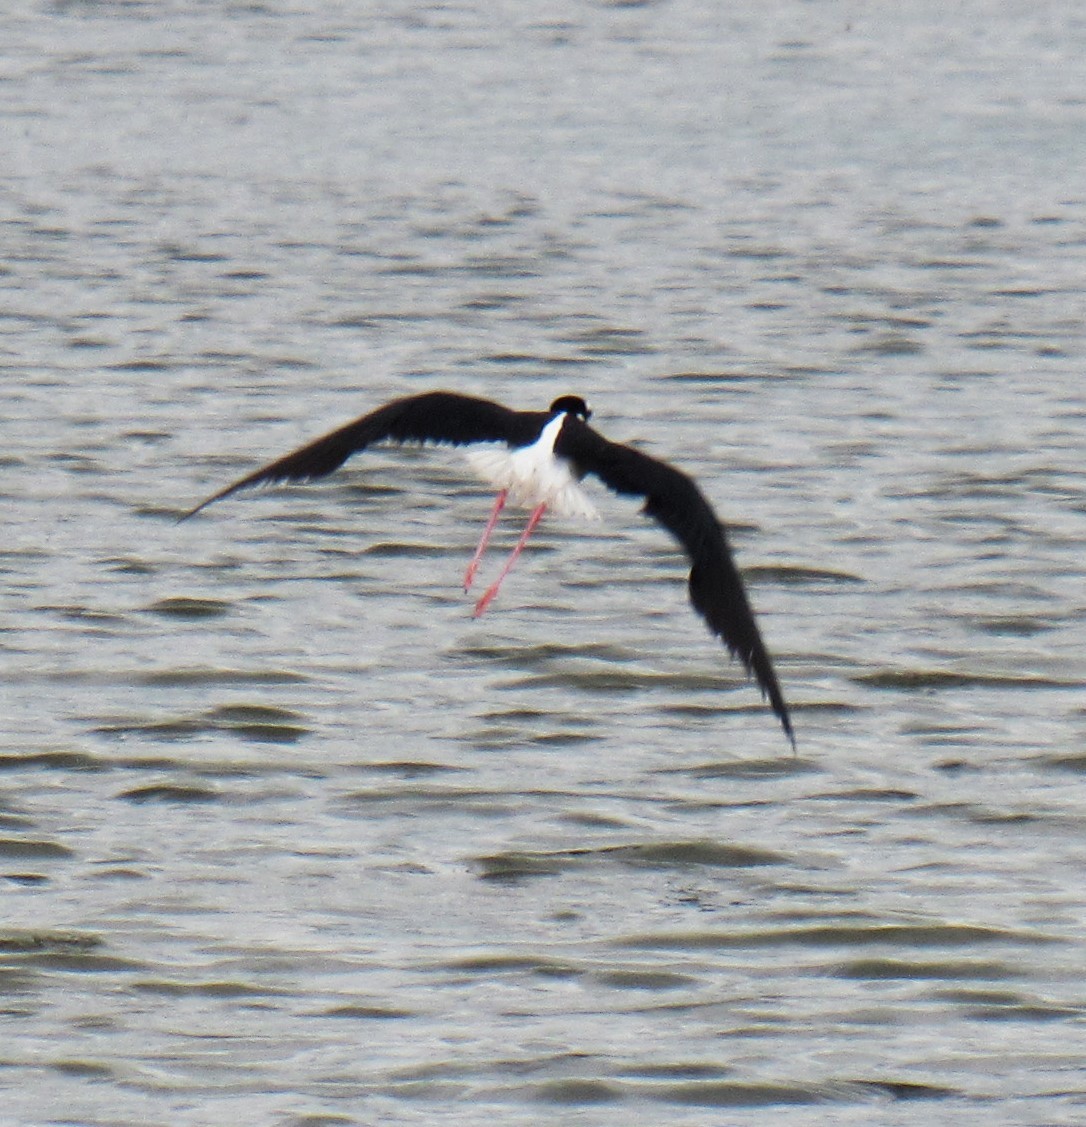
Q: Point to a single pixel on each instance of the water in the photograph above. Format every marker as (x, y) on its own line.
(286, 837)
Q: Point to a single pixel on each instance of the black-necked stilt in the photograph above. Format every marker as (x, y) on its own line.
(546, 455)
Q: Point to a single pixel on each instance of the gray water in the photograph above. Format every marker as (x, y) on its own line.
(285, 836)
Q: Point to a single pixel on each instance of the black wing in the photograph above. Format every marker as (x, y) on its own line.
(716, 587)
(435, 416)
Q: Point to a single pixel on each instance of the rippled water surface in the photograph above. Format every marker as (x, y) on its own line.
(287, 837)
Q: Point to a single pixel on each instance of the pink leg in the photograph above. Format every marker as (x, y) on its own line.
(473, 567)
(492, 590)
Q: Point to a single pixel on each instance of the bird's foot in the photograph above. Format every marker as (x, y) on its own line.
(485, 601)
(469, 575)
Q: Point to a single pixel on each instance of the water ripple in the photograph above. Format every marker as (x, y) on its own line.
(276, 811)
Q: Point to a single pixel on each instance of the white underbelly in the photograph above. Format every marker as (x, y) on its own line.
(532, 477)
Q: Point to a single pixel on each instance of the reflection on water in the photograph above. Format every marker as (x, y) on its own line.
(285, 835)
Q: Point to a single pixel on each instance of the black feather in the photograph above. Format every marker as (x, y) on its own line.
(673, 500)
(435, 416)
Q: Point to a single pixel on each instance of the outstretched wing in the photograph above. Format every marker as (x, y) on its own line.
(671, 498)
(435, 416)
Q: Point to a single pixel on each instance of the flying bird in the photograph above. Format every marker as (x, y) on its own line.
(538, 461)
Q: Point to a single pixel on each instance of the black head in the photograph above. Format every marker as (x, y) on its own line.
(571, 405)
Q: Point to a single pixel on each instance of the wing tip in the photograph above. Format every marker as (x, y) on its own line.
(194, 510)
(212, 499)
(789, 731)
(771, 690)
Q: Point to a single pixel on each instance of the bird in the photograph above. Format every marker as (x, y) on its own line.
(537, 460)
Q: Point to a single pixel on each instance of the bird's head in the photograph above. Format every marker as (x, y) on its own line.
(571, 405)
